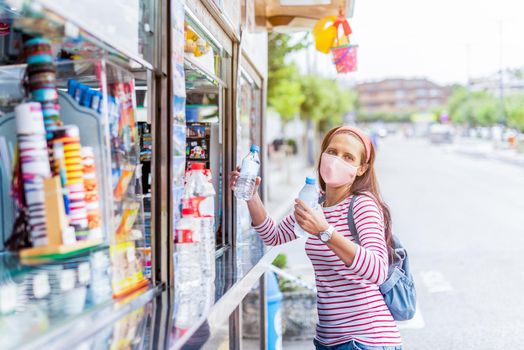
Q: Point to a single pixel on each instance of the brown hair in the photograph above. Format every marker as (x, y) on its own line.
(365, 184)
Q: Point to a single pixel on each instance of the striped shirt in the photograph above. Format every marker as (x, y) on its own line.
(350, 305)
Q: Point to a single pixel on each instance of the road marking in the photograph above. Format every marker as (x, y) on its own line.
(417, 322)
(435, 282)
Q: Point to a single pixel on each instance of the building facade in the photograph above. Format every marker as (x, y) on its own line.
(510, 82)
(401, 96)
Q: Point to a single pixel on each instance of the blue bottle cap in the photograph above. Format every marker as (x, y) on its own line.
(254, 148)
(311, 180)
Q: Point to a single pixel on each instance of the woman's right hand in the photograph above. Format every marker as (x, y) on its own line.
(233, 177)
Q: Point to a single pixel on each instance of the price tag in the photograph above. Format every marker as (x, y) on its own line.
(8, 298)
(84, 273)
(67, 280)
(41, 287)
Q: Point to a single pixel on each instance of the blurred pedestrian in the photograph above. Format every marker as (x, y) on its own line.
(352, 311)
(374, 139)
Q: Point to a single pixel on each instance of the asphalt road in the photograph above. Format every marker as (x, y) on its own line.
(462, 220)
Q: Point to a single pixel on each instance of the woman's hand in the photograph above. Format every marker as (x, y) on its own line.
(233, 177)
(310, 220)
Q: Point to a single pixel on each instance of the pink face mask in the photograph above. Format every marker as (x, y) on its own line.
(336, 172)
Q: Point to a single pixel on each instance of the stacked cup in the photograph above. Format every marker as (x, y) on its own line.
(42, 78)
(91, 190)
(68, 138)
(34, 161)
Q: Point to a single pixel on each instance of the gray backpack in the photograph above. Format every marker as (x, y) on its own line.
(399, 288)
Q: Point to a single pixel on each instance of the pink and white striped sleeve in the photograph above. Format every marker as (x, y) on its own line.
(275, 235)
(371, 258)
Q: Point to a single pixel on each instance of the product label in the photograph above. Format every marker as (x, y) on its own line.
(207, 207)
(203, 206)
(249, 167)
(41, 286)
(184, 236)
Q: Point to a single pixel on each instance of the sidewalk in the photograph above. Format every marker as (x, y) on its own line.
(480, 148)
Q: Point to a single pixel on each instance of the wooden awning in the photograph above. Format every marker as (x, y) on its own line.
(295, 15)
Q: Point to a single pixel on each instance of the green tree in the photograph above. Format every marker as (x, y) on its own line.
(473, 108)
(284, 91)
(515, 111)
(326, 101)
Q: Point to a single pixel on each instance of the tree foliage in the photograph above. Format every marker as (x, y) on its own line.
(318, 99)
(481, 108)
(326, 101)
(284, 92)
(515, 111)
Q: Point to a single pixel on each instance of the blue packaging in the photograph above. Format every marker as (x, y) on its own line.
(71, 87)
(96, 101)
(87, 96)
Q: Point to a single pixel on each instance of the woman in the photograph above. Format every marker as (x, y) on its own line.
(352, 312)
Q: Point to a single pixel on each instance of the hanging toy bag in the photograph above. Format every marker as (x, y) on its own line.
(344, 54)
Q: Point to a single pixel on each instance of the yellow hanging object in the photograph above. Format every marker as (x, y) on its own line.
(325, 34)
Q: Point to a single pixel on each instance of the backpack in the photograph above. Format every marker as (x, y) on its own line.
(399, 287)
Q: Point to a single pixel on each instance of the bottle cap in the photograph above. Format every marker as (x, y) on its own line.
(311, 180)
(254, 148)
(187, 212)
(197, 166)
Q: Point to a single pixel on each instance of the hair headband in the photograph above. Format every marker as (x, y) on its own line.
(361, 135)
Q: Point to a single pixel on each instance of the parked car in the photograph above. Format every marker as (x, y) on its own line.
(441, 133)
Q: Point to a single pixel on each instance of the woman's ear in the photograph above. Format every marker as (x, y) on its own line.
(362, 169)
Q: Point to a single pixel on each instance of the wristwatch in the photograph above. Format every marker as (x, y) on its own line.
(325, 236)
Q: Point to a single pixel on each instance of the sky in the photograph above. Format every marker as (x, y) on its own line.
(445, 40)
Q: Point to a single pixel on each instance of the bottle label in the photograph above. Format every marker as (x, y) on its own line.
(184, 236)
(203, 206)
(249, 167)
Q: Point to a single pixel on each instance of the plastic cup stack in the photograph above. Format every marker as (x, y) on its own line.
(69, 138)
(34, 161)
(41, 74)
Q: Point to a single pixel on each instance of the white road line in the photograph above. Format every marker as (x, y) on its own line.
(435, 282)
(416, 323)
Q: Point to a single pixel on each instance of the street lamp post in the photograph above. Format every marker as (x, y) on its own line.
(501, 73)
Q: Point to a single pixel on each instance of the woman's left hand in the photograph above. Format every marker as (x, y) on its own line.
(311, 221)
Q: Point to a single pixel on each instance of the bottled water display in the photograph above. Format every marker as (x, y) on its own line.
(199, 195)
(248, 174)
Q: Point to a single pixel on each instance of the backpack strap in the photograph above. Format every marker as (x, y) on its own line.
(351, 221)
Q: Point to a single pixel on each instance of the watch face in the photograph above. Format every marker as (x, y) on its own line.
(324, 236)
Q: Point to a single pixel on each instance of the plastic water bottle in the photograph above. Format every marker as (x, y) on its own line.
(200, 196)
(308, 194)
(248, 174)
(188, 247)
